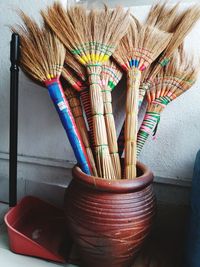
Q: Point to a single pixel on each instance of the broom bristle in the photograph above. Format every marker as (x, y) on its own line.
(123, 53)
(182, 28)
(79, 69)
(42, 53)
(144, 44)
(97, 32)
(59, 21)
(163, 16)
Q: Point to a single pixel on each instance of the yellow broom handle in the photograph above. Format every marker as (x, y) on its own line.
(133, 84)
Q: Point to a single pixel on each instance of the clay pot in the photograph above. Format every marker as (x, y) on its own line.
(109, 219)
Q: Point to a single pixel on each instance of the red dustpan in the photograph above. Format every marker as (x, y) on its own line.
(37, 228)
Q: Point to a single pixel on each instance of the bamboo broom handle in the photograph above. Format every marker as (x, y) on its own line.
(77, 112)
(60, 102)
(142, 91)
(111, 130)
(103, 160)
(133, 84)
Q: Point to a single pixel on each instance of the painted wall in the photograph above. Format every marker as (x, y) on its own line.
(41, 136)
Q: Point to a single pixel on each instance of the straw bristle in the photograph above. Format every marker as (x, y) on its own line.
(188, 18)
(123, 53)
(163, 16)
(59, 21)
(96, 33)
(169, 18)
(144, 44)
(180, 27)
(79, 69)
(42, 54)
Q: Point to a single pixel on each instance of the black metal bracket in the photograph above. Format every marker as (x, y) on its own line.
(14, 84)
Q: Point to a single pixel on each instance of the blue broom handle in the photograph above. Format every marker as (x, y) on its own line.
(57, 95)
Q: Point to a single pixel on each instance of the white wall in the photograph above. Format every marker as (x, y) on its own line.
(41, 135)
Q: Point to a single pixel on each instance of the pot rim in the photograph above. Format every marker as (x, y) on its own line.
(117, 186)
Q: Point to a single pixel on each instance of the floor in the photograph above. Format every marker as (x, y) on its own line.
(163, 249)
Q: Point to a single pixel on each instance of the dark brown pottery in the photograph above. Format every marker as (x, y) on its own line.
(109, 219)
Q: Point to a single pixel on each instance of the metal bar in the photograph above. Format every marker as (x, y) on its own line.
(14, 77)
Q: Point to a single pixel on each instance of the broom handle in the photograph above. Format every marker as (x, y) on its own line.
(103, 159)
(85, 99)
(77, 112)
(14, 77)
(133, 84)
(142, 91)
(57, 95)
(111, 130)
(149, 123)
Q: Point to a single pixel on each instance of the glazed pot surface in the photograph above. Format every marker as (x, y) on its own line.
(109, 219)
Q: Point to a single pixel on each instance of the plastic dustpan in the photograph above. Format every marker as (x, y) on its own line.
(37, 228)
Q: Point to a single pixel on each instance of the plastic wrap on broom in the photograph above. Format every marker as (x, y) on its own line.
(147, 128)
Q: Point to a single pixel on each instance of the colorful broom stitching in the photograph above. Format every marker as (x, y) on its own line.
(92, 38)
(42, 57)
(177, 77)
(110, 76)
(77, 112)
(137, 50)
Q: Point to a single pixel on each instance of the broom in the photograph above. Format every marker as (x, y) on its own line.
(110, 76)
(92, 38)
(77, 112)
(180, 26)
(137, 50)
(42, 57)
(165, 18)
(176, 78)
